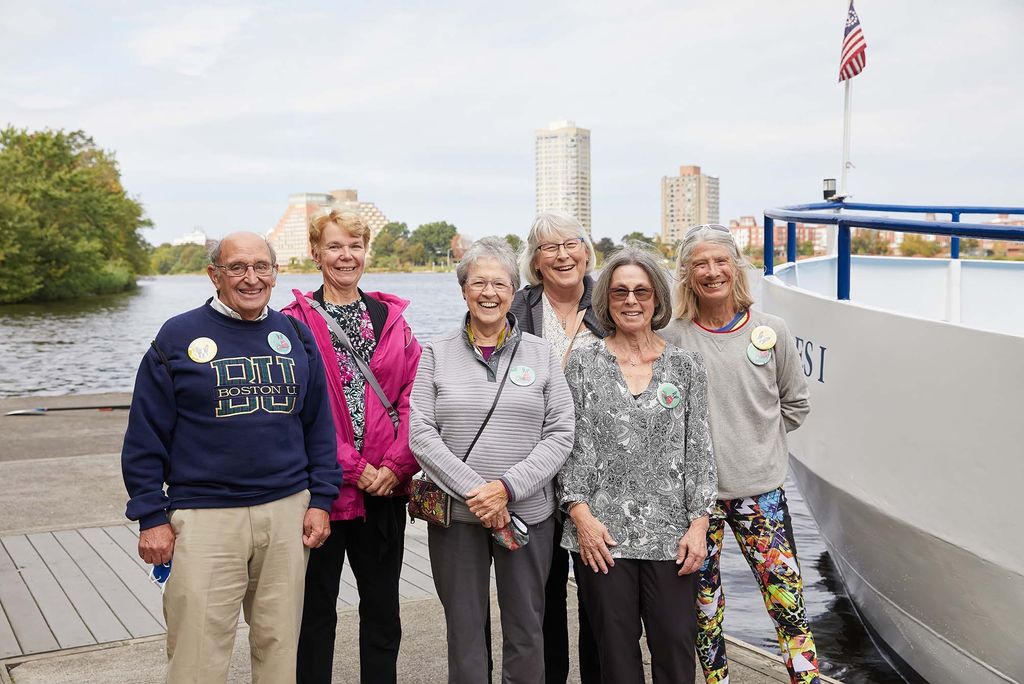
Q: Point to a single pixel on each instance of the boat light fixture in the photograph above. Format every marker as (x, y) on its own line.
(828, 188)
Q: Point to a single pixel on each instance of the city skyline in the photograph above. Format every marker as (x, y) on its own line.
(217, 113)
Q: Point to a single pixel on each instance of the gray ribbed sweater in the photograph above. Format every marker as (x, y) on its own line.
(752, 407)
(527, 439)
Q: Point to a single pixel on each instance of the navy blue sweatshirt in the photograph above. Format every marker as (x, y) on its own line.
(228, 413)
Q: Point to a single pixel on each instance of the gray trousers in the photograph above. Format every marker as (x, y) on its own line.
(460, 559)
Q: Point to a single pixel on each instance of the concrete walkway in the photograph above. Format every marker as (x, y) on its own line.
(75, 602)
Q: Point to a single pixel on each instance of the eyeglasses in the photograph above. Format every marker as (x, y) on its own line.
(620, 294)
(571, 246)
(238, 269)
(710, 226)
(500, 286)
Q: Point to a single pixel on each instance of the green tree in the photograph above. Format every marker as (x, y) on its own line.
(388, 240)
(637, 236)
(868, 242)
(169, 258)
(514, 241)
(666, 249)
(67, 226)
(604, 247)
(435, 238)
(805, 248)
(916, 245)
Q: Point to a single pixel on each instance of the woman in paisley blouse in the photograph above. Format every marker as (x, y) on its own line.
(641, 477)
(368, 517)
(556, 262)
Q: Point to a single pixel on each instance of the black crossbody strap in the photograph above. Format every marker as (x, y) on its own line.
(363, 366)
(497, 395)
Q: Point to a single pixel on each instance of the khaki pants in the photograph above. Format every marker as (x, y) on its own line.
(226, 558)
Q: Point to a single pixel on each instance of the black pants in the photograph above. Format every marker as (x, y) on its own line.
(556, 628)
(651, 591)
(375, 547)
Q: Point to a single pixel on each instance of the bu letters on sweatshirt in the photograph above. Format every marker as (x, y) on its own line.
(246, 384)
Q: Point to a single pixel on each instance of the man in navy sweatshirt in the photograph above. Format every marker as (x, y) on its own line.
(230, 410)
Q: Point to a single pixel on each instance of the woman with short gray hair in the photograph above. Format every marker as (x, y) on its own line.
(491, 424)
(641, 477)
(556, 261)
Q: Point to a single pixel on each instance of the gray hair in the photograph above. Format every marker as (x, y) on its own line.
(687, 304)
(214, 251)
(489, 248)
(632, 254)
(546, 228)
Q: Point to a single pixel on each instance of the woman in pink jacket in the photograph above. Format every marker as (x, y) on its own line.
(368, 517)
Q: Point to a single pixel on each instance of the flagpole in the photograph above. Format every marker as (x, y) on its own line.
(847, 113)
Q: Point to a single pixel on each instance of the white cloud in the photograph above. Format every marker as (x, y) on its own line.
(190, 41)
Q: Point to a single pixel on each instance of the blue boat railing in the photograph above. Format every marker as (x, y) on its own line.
(813, 214)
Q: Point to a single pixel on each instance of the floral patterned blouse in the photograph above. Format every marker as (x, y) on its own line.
(555, 334)
(354, 319)
(644, 465)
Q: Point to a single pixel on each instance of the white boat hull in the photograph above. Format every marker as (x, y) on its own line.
(912, 465)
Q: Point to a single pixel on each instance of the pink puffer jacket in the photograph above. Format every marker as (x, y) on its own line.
(394, 365)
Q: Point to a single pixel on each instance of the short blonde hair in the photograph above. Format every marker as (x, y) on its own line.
(548, 227)
(686, 303)
(349, 221)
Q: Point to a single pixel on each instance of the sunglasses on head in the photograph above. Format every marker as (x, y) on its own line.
(710, 226)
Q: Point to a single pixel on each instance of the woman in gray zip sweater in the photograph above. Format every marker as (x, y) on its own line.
(510, 470)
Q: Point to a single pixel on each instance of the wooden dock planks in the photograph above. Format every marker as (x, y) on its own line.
(103, 625)
(133, 615)
(29, 626)
(88, 586)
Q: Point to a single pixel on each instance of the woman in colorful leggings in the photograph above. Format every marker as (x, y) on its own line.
(757, 394)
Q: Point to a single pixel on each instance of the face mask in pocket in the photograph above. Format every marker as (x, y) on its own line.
(513, 536)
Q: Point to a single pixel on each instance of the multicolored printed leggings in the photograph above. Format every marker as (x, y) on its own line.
(765, 534)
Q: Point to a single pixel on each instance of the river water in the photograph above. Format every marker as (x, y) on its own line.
(95, 345)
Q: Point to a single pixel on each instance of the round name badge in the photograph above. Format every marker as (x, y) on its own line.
(763, 337)
(523, 376)
(202, 349)
(279, 342)
(758, 357)
(669, 396)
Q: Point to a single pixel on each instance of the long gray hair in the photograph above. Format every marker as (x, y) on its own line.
(687, 305)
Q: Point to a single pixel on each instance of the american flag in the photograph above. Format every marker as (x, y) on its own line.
(854, 56)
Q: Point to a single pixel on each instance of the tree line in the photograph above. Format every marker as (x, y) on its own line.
(67, 226)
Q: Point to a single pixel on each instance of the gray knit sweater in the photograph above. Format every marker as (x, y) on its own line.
(752, 407)
(527, 439)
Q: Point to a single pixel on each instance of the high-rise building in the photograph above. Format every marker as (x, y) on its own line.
(290, 237)
(563, 170)
(687, 200)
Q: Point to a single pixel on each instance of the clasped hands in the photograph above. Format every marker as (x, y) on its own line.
(377, 481)
(489, 503)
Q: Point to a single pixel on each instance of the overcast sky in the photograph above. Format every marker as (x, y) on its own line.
(218, 111)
